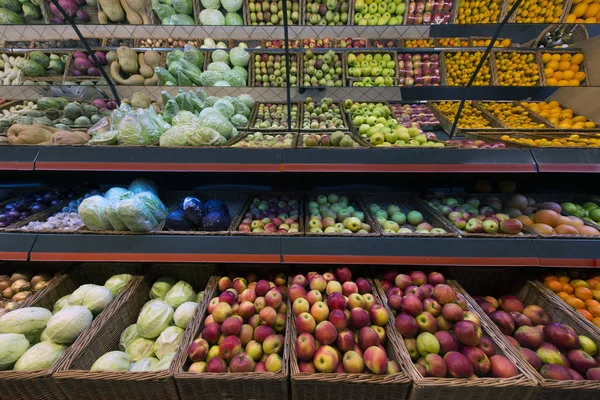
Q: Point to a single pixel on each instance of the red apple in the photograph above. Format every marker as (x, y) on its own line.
(502, 367)
(458, 365)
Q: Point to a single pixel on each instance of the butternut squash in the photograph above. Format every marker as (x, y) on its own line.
(133, 80)
(69, 138)
(112, 56)
(151, 81)
(113, 10)
(152, 58)
(29, 134)
(139, 7)
(128, 60)
(102, 18)
(132, 17)
(145, 70)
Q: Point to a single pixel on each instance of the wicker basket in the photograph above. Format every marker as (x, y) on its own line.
(78, 382)
(474, 38)
(356, 137)
(343, 386)
(548, 389)
(301, 69)
(582, 67)
(517, 388)
(252, 68)
(537, 58)
(254, 116)
(408, 202)
(532, 115)
(39, 385)
(237, 220)
(342, 116)
(230, 386)
(579, 32)
(460, 39)
(549, 122)
(353, 201)
(508, 4)
(348, 79)
(446, 124)
(444, 71)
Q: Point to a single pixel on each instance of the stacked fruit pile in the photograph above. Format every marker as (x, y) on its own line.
(475, 144)
(275, 116)
(547, 220)
(349, 43)
(325, 43)
(271, 12)
(589, 211)
(418, 43)
(569, 141)
(17, 287)
(335, 214)
(561, 117)
(381, 43)
(580, 293)
(433, 12)
(553, 349)
(443, 337)
(512, 115)
(270, 70)
(453, 42)
(324, 114)
(393, 220)
(336, 139)
(419, 113)
(375, 69)
(563, 69)
(272, 215)
(584, 12)
(357, 108)
(326, 12)
(470, 117)
(322, 69)
(517, 69)
(538, 13)
(340, 326)
(474, 215)
(245, 328)
(260, 140)
(487, 12)
(460, 66)
(486, 42)
(382, 12)
(418, 69)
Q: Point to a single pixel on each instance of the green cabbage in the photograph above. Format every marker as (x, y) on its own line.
(218, 66)
(174, 56)
(134, 213)
(104, 138)
(154, 205)
(208, 78)
(179, 19)
(184, 313)
(161, 287)
(221, 83)
(206, 137)
(234, 78)
(232, 5)
(214, 4)
(177, 136)
(112, 361)
(239, 121)
(113, 217)
(210, 101)
(115, 193)
(168, 341)
(163, 11)
(146, 364)
(194, 55)
(220, 56)
(151, 129)
(239, 57)
(93, 215)
(247, 100)
(97, 299)
(141, 185)
(140, 348)
(165, 363)
(128, 336)
(233, 19)
(185, 118)
(130, 132)
(224, 107)
(12, 347)
(218, 122)
(61, 303)
(242, 71)
(155, 317)
(117, 283)
(211, 17)
(179, 294)
(183, 6)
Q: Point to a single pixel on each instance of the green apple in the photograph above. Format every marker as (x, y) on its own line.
(589, 205)
(427, 344)
(413, 132)
(374, 208)
(399, 218)
(363, 129)
(595, 214)
(360, 215)
(352, 224)
(381, 213)
(422, 139)
(391, 136)
(377, 139)
(392, 209)
(414, 218)
(403, 135)
(391, 225)
(381, 220)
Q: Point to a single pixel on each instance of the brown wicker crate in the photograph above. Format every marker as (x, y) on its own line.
(247, 15)
(552, 125)
(531, 134)
(361, 142)
(234, 200)
(237, 220)
(399, 42)
(582, 67)
(579, 32)
(537, 60)
(254, 116)
(301, 71)
(525, 233)
(243, 135)
(354, 201)
(467, 39)
(231, 386)
(149, 19)
(532, 115)
(78, 382)
(308, 130)
(518, 387)
(508, 5)
(348, 79)
(446, 124)
(474, 38)
(252, 67)
(548, 389)
(407, 202)
(29, 385)
(342, 386)
(444, 71)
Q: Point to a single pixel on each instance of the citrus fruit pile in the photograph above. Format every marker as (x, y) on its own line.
(568, 141)
(453, 42)
(538, 12)
(470, 116)
(584, 12)
(559, 116)
(581, 294)
(563, 69)
(517, 69)
(478, 12)
(419, 43)
(460, 66)
(514, 116)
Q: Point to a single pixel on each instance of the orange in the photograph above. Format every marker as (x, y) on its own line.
(573, 82)
(558, 75)
(579, 10)
(593, 282)
(595, 310)
(568, 288)
(555, 286)
(563, 83)
(591, 302)
(596, 321)
(565, 57)
(564, 278)
(548, 72)
(563, 295)
(577, 58)
(553, 104)
(546, 57)
(568, 75)
(580, 76)
(564, 65)
(555, 57)
(583, 293)
(570, 19)
(575, 303)
(553, 64)
(586, 314)
(551, 82)
(574, 68)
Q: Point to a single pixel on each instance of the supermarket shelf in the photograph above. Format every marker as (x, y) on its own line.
(568, 253)
(16, 246)
(567, 160)
(156, 248)
(158, 159)
(407, 160)
(18, 158)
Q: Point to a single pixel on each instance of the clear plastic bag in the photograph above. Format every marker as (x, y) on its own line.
(130, 132)
(136, 215)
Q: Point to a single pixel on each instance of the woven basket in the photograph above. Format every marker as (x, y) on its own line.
(474, 38)
(254, 115)
(408, 202)
(344, 386)
(582, 67)
(444, 69)
(301, 69)
(537, 58)
(532, 115)
(446, 124)
(78, 382)
(518, 387)
(352, 133)
(580, 33)
(575, 114)
(355, 202)
(252, 67)
(319, 130)
(237, 220)
(39, 385)
(230, 386)
(549, 389)
(460, 39)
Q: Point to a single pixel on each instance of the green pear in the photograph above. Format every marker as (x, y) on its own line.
(346, 141)
(336, 138)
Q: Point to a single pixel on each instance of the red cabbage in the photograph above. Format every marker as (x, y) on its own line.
(93, 71)
(82, 64)
(82, 15)
(99, 103)
(79, 54)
